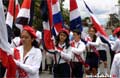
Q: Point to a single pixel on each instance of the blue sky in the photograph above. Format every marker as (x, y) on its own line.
(100, 8)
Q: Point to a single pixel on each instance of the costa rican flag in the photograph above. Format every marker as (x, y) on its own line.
(57, 17)
(23, 17)
(95, 22)
(10, 20)
(102, 34)
(46, 13)
(17, 8)
(75, 19)
(5, 50)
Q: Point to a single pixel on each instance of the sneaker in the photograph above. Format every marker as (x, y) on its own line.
(98, 74)
(106, 74)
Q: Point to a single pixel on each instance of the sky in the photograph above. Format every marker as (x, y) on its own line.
(100, 8)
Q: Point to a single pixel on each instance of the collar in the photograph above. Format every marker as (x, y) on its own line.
(61, 46)
(77, 41)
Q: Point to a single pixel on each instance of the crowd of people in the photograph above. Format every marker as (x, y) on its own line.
(71, 58)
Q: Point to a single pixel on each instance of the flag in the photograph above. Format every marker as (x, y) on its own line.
(5, 50)
(10, 20)
(103, 35)
(17, 8)
(75, 19)
(23, 17)
(96, 23)
(57, 17)
(46, 13)
(31, 13)
(4, 45)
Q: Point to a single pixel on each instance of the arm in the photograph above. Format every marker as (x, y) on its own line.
(115, 46)
(115, 69)
(67, 55)
(34, 66)
(95, 43)
(79, 50)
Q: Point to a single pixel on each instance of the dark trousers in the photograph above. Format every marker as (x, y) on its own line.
(92, 60)
(77, 70)
(2, 70)
(61, 70)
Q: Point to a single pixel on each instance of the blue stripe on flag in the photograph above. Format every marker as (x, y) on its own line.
(57, 18)
(88, 7)
(54, 32)
(76, 24)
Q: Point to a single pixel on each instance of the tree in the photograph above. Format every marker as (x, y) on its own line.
(37, 21)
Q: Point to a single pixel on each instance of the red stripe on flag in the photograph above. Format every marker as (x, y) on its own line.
(11, 7)
(50, 13)
(73, 5)
(58, 26)
(54, 1)
(26, 4)
(11, 70)
(4, 58)
(16, 10)
(47, 40)
(98, 27)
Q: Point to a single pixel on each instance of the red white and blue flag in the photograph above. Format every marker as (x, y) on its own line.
(10, 19)
(46, 13)
(5, 50)
(95, 22)
(57, 17)
(52, 21)
(75, 19)
(23, 17)
(102, 34)
(17, 8)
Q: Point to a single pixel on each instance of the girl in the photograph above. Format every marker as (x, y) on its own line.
(27, 56)
(115, 69)
(92, 57)
(61, 67)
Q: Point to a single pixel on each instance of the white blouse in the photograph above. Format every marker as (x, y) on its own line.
(65, 55)
(78, 49)
(32, 61)
(116, 46)
(115, 69)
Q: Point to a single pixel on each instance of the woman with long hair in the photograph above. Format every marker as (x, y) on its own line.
(61, 67)
(115, 68)
(92, 57)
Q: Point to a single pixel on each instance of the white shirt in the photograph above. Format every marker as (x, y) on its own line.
(78, 49)
(102, 46)
(39, 36)
(95, 44)
(15, 42)
(66, 54)
(115, 69)
(32, 63)
(116, 46)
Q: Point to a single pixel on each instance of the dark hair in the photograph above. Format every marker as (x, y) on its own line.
(66, 41)
(93, 28)
(94, 37)
(35, 44)
(118, 34)
(16, 31)
(77, 31)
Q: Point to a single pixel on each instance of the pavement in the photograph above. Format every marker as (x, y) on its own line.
(45, 74)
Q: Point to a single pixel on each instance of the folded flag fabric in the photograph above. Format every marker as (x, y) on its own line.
(75, 19)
